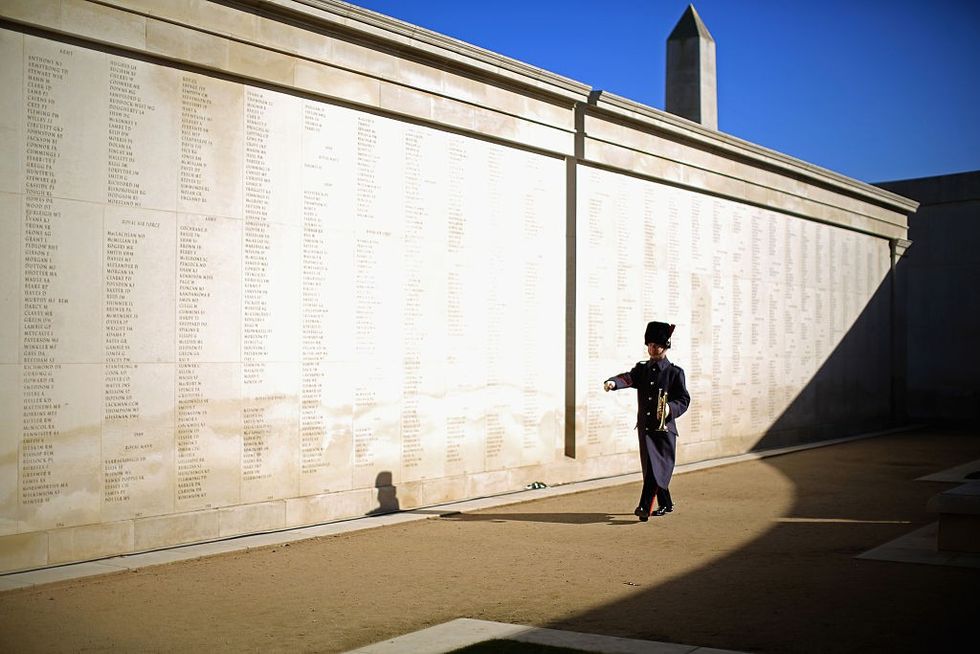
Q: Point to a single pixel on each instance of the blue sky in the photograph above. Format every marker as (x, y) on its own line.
(874, 89)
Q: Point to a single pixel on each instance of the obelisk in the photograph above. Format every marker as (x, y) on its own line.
(691, 81)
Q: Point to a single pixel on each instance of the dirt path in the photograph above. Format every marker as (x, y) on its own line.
(758, 556)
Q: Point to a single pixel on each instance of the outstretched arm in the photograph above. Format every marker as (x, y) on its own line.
(622, 380)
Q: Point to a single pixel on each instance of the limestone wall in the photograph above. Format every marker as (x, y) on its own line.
(268, 269)
(762, 303)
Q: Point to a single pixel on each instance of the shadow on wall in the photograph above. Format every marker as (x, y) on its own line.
(387, 494)
(858, 388)
(795, 586)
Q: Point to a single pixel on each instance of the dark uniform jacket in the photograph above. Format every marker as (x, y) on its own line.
(648, 377)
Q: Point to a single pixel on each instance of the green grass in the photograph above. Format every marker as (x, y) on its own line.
(514, 647)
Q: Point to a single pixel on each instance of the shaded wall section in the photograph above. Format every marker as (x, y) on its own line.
(847, 392)
(941, 274)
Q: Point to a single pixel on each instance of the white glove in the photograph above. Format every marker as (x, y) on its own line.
(609, 386)
(666, 409)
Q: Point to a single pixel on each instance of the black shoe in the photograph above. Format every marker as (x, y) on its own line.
(640, 513)
(660, 510)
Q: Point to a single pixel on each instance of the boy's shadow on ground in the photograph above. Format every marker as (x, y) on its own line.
(561, 518)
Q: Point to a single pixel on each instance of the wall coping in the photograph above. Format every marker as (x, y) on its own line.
(656, 120)
(378, 28)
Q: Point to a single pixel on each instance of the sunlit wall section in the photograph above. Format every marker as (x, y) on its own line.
(782, 327)
(230, 308)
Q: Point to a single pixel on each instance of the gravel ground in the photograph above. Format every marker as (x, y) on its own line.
(758, 556)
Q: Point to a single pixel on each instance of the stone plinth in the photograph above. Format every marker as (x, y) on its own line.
(959, 518)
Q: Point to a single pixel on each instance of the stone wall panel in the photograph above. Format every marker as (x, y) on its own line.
(23, 551)
(89, 542)
(163, 531)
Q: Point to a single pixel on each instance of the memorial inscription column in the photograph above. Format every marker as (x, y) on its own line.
(701, 253)
(542, 333)
(758, 313)
(775, 239)
(499, 351)
(65, 157)
(468, 248)
(822, 286)
(595, 257)
(208, 308)
(790, 306)
(328, 145)
(604, 344)
(626, 301)
(271, 296)
(738, 349)
(722, 287)
(139, 292)
(807, 395)
(413, 451)
(376, 374)
(12, 218)
(423, 347)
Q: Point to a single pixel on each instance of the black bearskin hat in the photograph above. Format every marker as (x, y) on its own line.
(659, 333)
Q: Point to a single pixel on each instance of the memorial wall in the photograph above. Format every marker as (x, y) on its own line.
(761, 302)
(234, 299)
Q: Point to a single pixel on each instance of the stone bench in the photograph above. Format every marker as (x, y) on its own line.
(959, 518)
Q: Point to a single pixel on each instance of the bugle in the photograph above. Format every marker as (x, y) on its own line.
(662, 410)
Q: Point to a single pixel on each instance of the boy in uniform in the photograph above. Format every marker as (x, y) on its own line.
(651, 378)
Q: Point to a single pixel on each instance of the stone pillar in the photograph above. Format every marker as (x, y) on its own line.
(691, 81)
(899, 331)
(572, 417)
